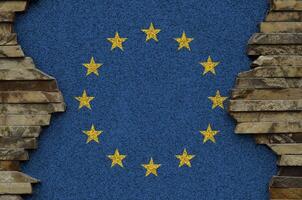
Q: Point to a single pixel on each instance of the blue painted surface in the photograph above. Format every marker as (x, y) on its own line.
(150, 100)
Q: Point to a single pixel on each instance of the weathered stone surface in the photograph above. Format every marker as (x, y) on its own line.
(17, 142)
(23, 74)
(286, 182)
(257, 50)
(8, 39)
(265, 105)
(290, 171)
(283, 149)
(31, 108)
(284, 138)
(276, 38)
(270, 83)
(15, 188)
(290, 160)
(24, 120)
(8, 63)
(9, 166)
(16, 177)
(293, 16)
(273, 72)
(293, 116)
(268, 127)
(13, 6)
(281, 27)
(278, 60)
(46, 85)
(11, 51)
(286, 5)
(266, 94)
(6, 28)
(20, 131)
(7, 16)
(285, 193)
(13, 154)
(10, 197)
(30, 97)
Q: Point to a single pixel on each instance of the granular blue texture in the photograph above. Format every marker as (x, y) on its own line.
(150, 100)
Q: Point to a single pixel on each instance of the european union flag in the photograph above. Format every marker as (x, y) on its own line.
(146, 83)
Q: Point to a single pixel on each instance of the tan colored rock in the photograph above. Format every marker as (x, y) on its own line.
(257, 50)
(276, 38)
(31, 108)
(24, 120)
(6, 28)
(20, 131)
(15, 188)
(45, 85)
(10, 197)
(273, 72)
(24, 143)
(23, 74)
(286, 5)
(7, 16)
(31, 97)
(261, 139)
(7, 165)
(267, 94)
(265, 105)
(13, 6)
(284, 149)
(290, 160)
(294, 16)
(269, 83)
(278, 60)
(16, 177)
(285, 193)
(281, 27)
(7, 63)
(11, 52)
(268, 127)
(294, 116)
(8, 39)
(13, 154)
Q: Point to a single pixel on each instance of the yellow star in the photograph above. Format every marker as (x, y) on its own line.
(92, 134)
(151, 33)
(92, 67)
(151, 167)
(209, 66)
(84, 100)
(117, 158)
(117, 41)
(217, 100)
(209, 134)
(185, 158)
(183, 41)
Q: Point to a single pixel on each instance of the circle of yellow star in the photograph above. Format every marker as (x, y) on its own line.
(183, 41)
(185, 158)
(217, 100)
(93, 135)
(151, 167)
(92, 67)
(209, 66)
(84, 100)
(151, 33)
(209, 134)
(117, 158)
(117, 41)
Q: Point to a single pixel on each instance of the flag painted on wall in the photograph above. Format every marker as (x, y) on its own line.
(146, 85)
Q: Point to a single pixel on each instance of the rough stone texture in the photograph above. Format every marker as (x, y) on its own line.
(286, 5)
(267, 100)
(28, 97)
